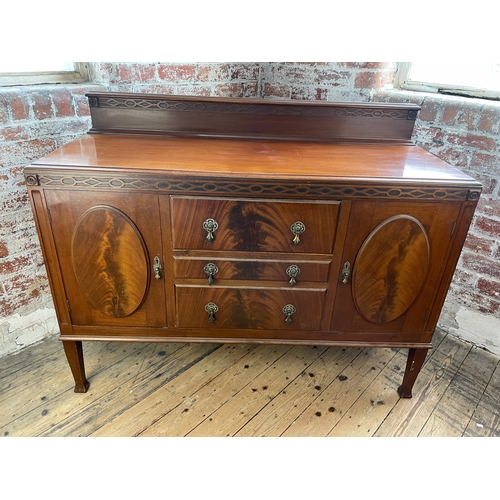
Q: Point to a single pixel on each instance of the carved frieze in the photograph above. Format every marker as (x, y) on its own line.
(253, 188)
(249, 108)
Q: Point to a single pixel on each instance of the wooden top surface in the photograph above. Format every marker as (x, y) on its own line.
(254, 159)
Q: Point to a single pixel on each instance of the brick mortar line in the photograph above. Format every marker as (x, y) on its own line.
(454, 130)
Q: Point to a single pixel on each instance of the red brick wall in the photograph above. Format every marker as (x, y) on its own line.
(337, 81)
(35, 120)
(333, 81)
(203, 79)
(465, 133)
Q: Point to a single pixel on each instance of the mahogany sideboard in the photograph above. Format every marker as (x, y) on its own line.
(191, 219)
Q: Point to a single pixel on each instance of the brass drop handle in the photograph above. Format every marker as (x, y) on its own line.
(288, 310)
(210, 269)
(211, 309)
(346, 271)
(297, 229)
(157, 269)
(210, 226)
(293, 271)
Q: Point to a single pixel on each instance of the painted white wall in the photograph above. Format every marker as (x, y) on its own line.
(17, 331)
(480, 329)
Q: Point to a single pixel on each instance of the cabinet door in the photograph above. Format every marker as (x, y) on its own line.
(394, 254)
(107, 246)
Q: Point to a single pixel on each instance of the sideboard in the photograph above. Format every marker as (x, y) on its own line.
(192, 219)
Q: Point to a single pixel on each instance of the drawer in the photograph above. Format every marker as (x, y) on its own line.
(236, 308)
(262, 270)
(253, 225)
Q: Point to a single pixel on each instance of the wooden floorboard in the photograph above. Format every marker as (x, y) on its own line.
(205, 403)
(306, 393)
(325, 412)
(141, 389)
(172, 398)
(453, 413)
(485, 421)
(408, 416)
(119, 390)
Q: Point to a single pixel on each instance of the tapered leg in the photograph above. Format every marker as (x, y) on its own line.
(416, 358)
(74, 354)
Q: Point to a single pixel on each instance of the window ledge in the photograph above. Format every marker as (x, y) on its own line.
(79, 75)
(18, 79)
(448, 90)
(418, 97)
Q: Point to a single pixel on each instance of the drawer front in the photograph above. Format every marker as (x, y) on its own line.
(253, 225)
(234, 308)
(292, 272)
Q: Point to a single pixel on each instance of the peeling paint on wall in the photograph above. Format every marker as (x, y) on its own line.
(481, 329)
(17, 331)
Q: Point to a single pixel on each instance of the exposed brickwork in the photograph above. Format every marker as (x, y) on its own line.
(465, 133)
(488, 287)
(129, 73)
(489, 120)
(470, 297)
(450, 110)
(374, 80)
(4, 251)
(202, 79)
(63, 103)
(480, 245)
(318, 81)
(183, 73)
(489, 207)
(16, 100)
(325, 81)
(36, 120)
(33, 121)
(488, 226)
(4, 116)
(365, 65)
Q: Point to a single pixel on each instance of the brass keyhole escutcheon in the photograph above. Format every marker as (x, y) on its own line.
(210, 226)
(211, 308)
(346, 271)
(297, 229)
(288, 310)
(293, 271)
(157, 269)
(211, 270)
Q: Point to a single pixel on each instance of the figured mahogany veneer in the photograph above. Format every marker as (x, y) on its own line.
(397, 249)
(185, 219)
(246, 308)
(253, 225)
(110, 261)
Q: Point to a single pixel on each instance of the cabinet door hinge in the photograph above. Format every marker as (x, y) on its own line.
(426, 315)
(69, 308)
(453, 228)
(50, 216)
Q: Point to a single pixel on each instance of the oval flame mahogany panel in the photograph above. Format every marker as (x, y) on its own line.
(390, 269)
(110, 261)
